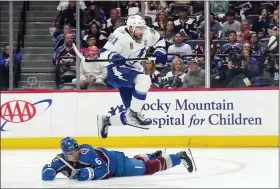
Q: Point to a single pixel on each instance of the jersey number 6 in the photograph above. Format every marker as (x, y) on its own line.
(98, 162)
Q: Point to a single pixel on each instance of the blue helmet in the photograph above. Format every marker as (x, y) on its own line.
(68, 144)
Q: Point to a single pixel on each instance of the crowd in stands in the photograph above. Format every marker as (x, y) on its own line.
(5, 63)
(239, 31)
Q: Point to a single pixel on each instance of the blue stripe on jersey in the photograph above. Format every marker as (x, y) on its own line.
(141, 53)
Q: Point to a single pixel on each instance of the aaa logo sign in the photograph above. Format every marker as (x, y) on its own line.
(19, 111)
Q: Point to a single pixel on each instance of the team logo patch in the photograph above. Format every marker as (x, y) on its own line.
(145, 43)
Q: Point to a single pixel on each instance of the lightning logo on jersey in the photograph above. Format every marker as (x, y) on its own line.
(118, 74)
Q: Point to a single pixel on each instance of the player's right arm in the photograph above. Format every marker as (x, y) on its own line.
(50, 170)
(114, 47)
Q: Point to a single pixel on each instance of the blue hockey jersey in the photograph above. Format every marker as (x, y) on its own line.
(105, 163)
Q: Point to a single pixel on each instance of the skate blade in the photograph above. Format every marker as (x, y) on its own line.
(139, 127)
(189, 153)
(99, 123)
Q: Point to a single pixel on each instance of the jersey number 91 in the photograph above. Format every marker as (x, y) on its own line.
(113, 39)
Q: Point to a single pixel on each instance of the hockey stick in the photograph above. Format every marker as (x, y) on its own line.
(107, 60)
(67, 164)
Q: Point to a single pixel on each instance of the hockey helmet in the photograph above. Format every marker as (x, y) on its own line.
(68, 144)
(135, 21)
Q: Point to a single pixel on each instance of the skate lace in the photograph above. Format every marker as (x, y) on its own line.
(141, 116)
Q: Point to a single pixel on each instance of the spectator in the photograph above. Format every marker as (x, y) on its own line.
(256, 47)
(163, 35)
(64, 64)
(244, 34)
(95, 31)
(232, 45)
(274, 24)
(247, 56)
(197, 7)
(219, 8)
(195, 76)
(185, 25)
(107, 6)
(247, 47)
(91, 72)
(240, 74)
(215, 28)
(118, 23)
(92, 53)
(174, 78)
(150, 69)
(152, 8)
(91, 42)
(169, 32)
(230, 24)
(60, 39)
(65, 50)
(133, 7)
(95, 14)
(114, 16)
(161, 20)
(179, 46)
(4, 67)
(63, 4)
(68, 16)
(262, 24)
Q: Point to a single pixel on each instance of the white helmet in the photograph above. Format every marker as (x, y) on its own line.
(135, 21)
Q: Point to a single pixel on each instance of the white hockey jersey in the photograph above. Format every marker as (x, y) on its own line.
(122, 43)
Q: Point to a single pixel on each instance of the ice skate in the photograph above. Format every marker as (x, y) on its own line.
(103, 126)
(135, 119)
(187, 160)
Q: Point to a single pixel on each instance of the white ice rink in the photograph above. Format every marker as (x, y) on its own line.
(254, 168)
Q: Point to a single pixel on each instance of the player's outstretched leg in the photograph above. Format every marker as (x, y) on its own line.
(133, 116)
(155, 162)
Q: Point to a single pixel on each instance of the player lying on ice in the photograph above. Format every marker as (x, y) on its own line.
(100, 163)
(126, 42)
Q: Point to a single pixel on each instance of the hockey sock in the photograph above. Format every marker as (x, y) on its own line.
(142, 86)
(119, 119)
(160, 163)
(138, 100)
(172, 160)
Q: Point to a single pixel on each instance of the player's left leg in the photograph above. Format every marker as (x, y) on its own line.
(156, 162)
(136, 167)
(133, 99)
(133, 115)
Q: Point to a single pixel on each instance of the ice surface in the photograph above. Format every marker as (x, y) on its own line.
(216, 168)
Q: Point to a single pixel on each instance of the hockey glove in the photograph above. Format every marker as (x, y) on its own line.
(117, 59)
(48, 174)
(85, 174)
(160, 55)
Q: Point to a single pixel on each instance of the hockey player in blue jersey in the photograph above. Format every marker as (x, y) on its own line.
(126, 42)
(99, 163)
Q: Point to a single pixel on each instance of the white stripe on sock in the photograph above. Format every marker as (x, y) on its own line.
(169, 163)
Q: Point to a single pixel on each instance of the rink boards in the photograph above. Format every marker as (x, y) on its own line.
(198, 118)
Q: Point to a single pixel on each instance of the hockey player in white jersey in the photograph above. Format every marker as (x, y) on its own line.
(126, 42)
